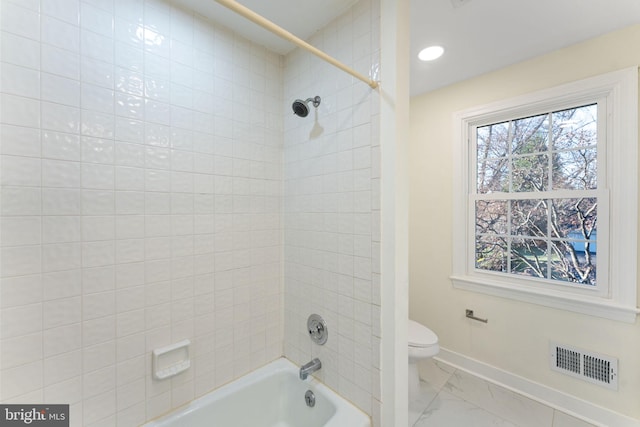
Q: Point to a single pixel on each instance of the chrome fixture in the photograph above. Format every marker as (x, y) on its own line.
(309, 368)
(301, 108)
(317, 328)
(469, 313)
(310, 398)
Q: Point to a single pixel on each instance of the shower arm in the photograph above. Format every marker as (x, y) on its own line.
(279, 31)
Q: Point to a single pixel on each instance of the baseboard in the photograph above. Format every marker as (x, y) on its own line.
(564, 402)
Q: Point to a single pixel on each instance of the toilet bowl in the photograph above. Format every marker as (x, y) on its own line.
(423, 344)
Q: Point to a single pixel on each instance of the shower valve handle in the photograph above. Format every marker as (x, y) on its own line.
(317, 329)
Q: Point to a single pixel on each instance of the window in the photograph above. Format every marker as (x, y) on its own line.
(545, 199)
(536, 198)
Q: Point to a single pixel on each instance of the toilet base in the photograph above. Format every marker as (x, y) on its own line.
(414, 381)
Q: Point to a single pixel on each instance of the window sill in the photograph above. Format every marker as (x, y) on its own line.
(593, 306)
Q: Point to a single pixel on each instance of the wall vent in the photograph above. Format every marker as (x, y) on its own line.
(586, 365)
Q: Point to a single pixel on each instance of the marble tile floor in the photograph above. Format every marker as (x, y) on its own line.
(454, 398)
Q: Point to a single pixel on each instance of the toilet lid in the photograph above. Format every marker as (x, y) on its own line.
(421, 336)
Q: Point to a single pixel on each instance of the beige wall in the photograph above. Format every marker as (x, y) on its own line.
(517, 335)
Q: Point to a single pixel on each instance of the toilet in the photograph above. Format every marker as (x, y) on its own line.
(423, 344)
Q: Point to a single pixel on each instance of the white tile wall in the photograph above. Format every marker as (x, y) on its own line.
(140, 167)
(330, 208)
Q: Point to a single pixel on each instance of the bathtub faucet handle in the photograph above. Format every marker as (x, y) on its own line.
(309, 368)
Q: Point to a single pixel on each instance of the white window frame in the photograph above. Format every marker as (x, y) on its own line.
(615, 296)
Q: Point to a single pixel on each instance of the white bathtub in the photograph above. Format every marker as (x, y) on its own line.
(272, 396)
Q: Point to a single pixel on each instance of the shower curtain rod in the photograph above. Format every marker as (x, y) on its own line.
(279, 31)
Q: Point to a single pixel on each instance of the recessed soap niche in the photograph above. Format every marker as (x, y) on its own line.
(171, 360)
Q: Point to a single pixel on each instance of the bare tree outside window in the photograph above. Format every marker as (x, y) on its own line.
(536, 208)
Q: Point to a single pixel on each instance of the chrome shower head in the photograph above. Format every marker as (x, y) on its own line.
(301, 108)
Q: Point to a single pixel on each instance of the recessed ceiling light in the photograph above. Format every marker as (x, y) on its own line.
(430, 53)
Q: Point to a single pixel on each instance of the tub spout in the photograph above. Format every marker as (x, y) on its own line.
(309, 368)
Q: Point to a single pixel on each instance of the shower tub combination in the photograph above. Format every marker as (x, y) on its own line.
(272, 396)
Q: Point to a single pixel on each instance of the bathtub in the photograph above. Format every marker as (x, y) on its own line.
(272, 396)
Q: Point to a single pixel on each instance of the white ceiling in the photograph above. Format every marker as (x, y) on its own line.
(484, 35)
(479, 35)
